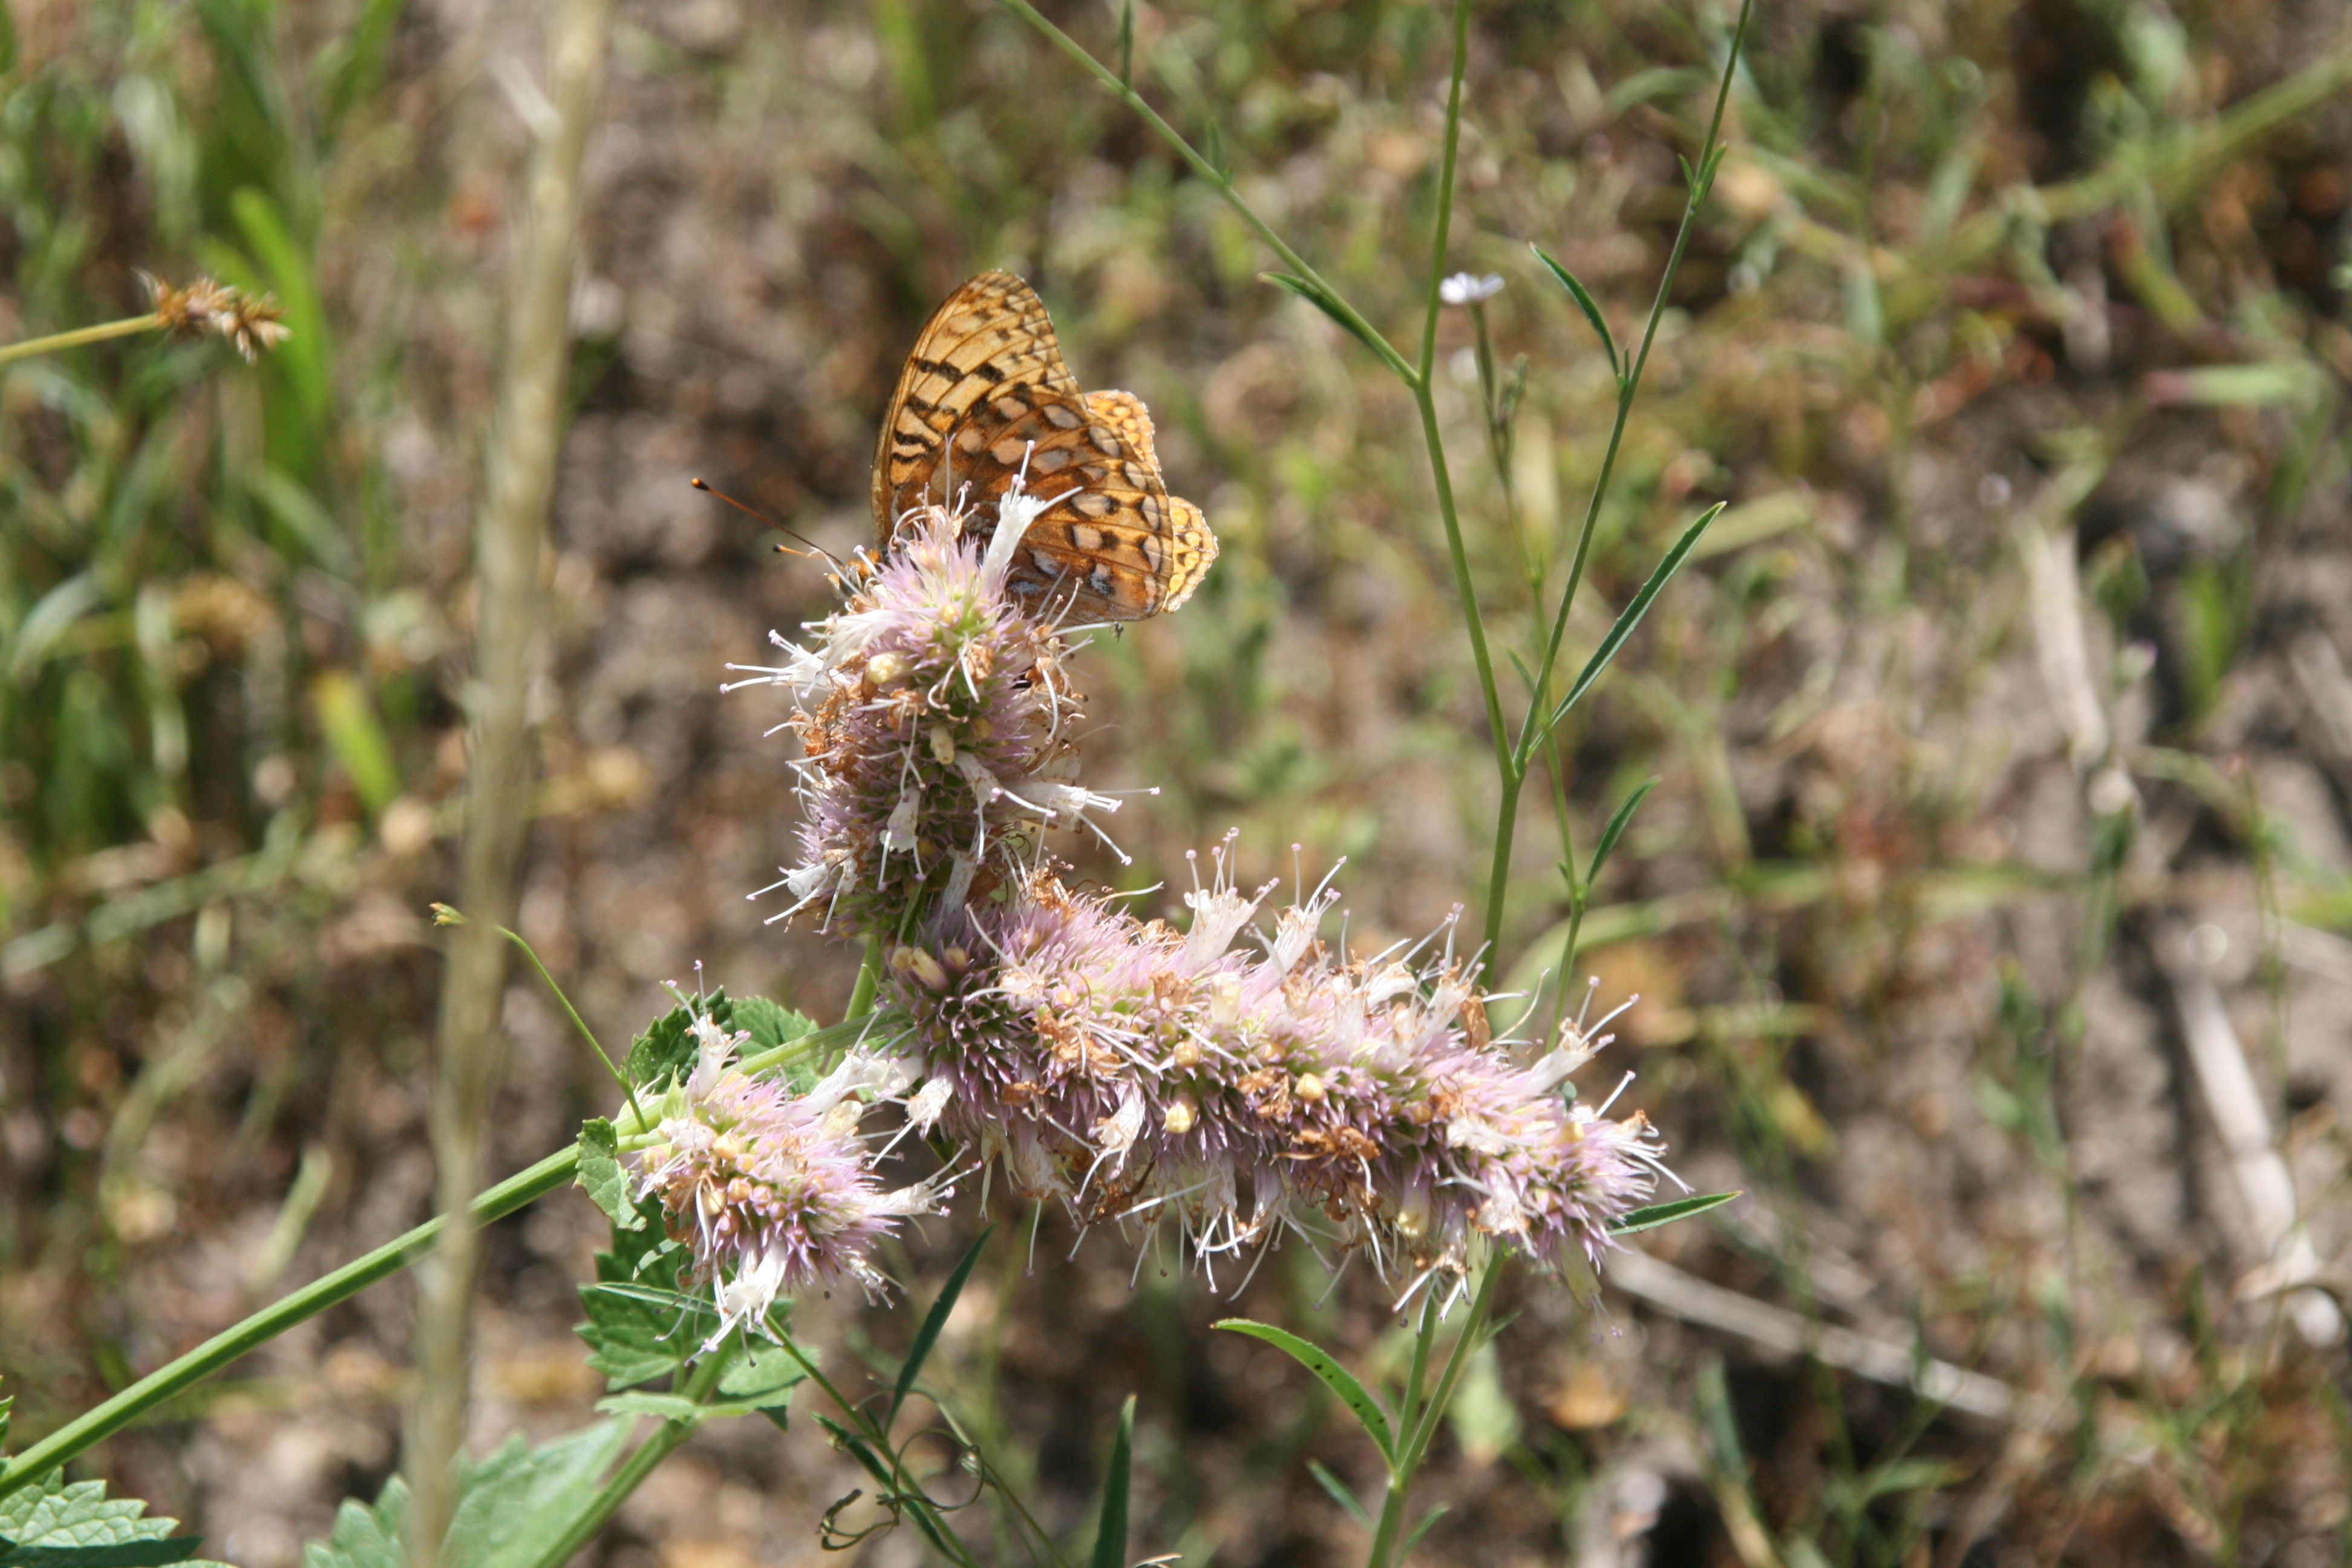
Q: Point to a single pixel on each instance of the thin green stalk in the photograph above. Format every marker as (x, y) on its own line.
(184, 1372)
(1424, 391)
(869, 978)
(1218, 178)
(78, 336)
(1540, 721)
(912, 1498)
(658, 1446)
(1417, 1421)
(1702, 178)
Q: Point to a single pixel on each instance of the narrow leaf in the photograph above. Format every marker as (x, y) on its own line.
(1111, 1535)
(1616, 828)
(933, 1321)
(1336, 1378)
(1656, 1215)
(1213, 148)
(1314, 295)
(1339, 1493)
(1584, 302)
(1631, 615)
(1126, 43)
(1432, 1517)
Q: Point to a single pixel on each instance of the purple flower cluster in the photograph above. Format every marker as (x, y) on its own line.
(932, 713)
(1129, 1071)
(774, 1191)
(1136, 1073)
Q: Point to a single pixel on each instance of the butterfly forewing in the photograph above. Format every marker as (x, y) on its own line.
(986, 401)
(989, 333)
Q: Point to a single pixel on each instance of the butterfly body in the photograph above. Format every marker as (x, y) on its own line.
(986, 403)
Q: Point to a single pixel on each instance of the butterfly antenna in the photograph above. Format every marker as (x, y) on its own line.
(814, 547)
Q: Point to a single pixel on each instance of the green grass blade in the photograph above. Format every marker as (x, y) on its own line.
(1432, 1517)
(933, 1321)
(1585, 302)
(1631, 615)
(1616, 828)
(1339, 1493)
(1111, 1535)
(1308, 291)
(1336, 1378)
(1656, 1215)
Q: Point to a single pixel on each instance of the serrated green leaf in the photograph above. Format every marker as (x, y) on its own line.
(660, 1406)
(57, 1524)
(601, 1176)
(771, 1023)
(1584, 301)
(365, 1536)
(1336, 1378)
(1656, 1215)
(633, 1332)
(1338, 1492)
(667, 1049)
(933, 1321)
(511, 1507)
(1313, 293)
(764, 1376)
(1616, 828)
(1111, 1531)
(1631, 615)
(129, 1554)
(519, 1502)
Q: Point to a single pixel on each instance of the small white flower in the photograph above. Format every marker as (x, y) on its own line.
(1464, 290)
(923, 1108)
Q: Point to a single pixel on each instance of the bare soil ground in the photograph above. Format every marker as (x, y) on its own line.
(2005, 724)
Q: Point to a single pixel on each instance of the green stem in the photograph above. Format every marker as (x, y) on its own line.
(1541, 719)
(1216, 178)
(1440, 477)
(1417, 1422)
(1702, 176)
(78, 336)
(869, 978)
(658, 1447)
(184, 1372)
(627, 1089)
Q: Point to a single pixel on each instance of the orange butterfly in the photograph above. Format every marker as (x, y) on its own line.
(984, 399)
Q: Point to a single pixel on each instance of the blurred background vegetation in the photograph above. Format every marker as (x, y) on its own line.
(2003, 726)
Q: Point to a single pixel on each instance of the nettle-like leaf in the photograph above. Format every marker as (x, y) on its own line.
(601, 1175)
(57, 1524)
(633, 1330)
(512, 1508)
(667, 1049)
(772, 1023)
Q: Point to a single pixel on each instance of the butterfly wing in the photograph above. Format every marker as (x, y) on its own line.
(1108, 541)
(985, 392)
(992, 332)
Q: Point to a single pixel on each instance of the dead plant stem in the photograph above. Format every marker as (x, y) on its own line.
(510, 530)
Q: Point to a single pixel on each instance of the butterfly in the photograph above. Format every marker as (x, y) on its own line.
(985, 401)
